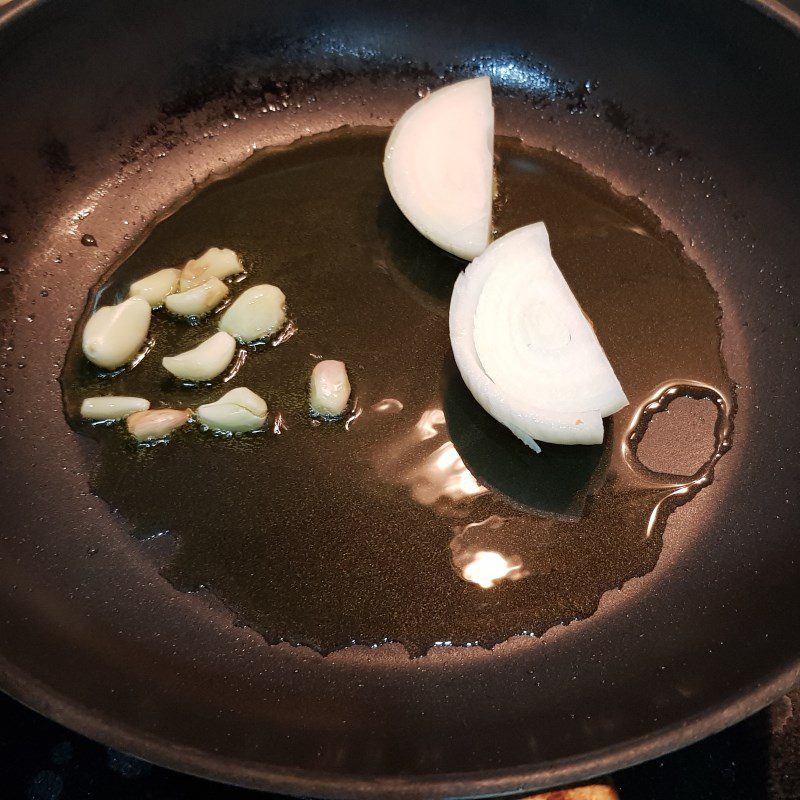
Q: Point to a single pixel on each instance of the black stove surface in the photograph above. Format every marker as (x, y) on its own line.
(758, 759)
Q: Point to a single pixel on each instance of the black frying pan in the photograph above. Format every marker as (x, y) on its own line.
(692, 105)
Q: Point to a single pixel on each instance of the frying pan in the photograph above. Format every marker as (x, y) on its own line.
(112, 111)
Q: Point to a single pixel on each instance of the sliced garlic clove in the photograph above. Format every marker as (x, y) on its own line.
(258, 312)
(197, 302)
(157, 423)
(155, 287)
(204, 362)
(237, 411)
(112, 407)
(113, 335)
(329, 388)
(214, 263)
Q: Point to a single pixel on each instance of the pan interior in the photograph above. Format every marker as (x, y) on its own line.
(419, 520)
(105, 137)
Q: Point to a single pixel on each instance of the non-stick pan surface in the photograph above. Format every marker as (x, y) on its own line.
(111, 112)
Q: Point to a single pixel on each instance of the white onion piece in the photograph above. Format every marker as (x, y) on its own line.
(439, 164)
(214, 263)
(197, 302)
(524, 347)
(112, 407)
(329, 388)
(238, 411)
(258, 312)
(155, 287)
(113, 335)
(204, 362)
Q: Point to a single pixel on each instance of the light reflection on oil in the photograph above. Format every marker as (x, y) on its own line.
(488, 567)
(388, 405)
(481, 553)
(428, 424)
(442, 475)
(427, 462)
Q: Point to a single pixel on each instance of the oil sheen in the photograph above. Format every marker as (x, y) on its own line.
(419, 519)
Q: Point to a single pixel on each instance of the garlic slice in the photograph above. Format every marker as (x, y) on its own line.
(214, 263)
(329, 388)
(157, 423)
(197, 302)
(113, 335)
(238, 411)
(204, 362)
(439, 165)
(112, 407)
(258, 312)
(524, 347)
(155, 287)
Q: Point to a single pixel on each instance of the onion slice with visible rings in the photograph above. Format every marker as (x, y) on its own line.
(439, 165)
(525, 349)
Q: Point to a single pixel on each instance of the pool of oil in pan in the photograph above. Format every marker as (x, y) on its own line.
(422, 520)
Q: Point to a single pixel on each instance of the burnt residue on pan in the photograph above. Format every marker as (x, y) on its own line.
(422, 520)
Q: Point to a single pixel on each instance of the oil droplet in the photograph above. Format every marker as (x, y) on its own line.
(388, 405)
(87, 240)
(356, 413)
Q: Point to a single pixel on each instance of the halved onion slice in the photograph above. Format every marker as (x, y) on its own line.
(524, 347)
(439, 164)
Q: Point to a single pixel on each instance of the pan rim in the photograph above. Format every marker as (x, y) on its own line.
(46, 700)
(327, 786)
(784, 13)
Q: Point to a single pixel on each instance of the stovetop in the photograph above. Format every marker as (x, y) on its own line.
(758, 759)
